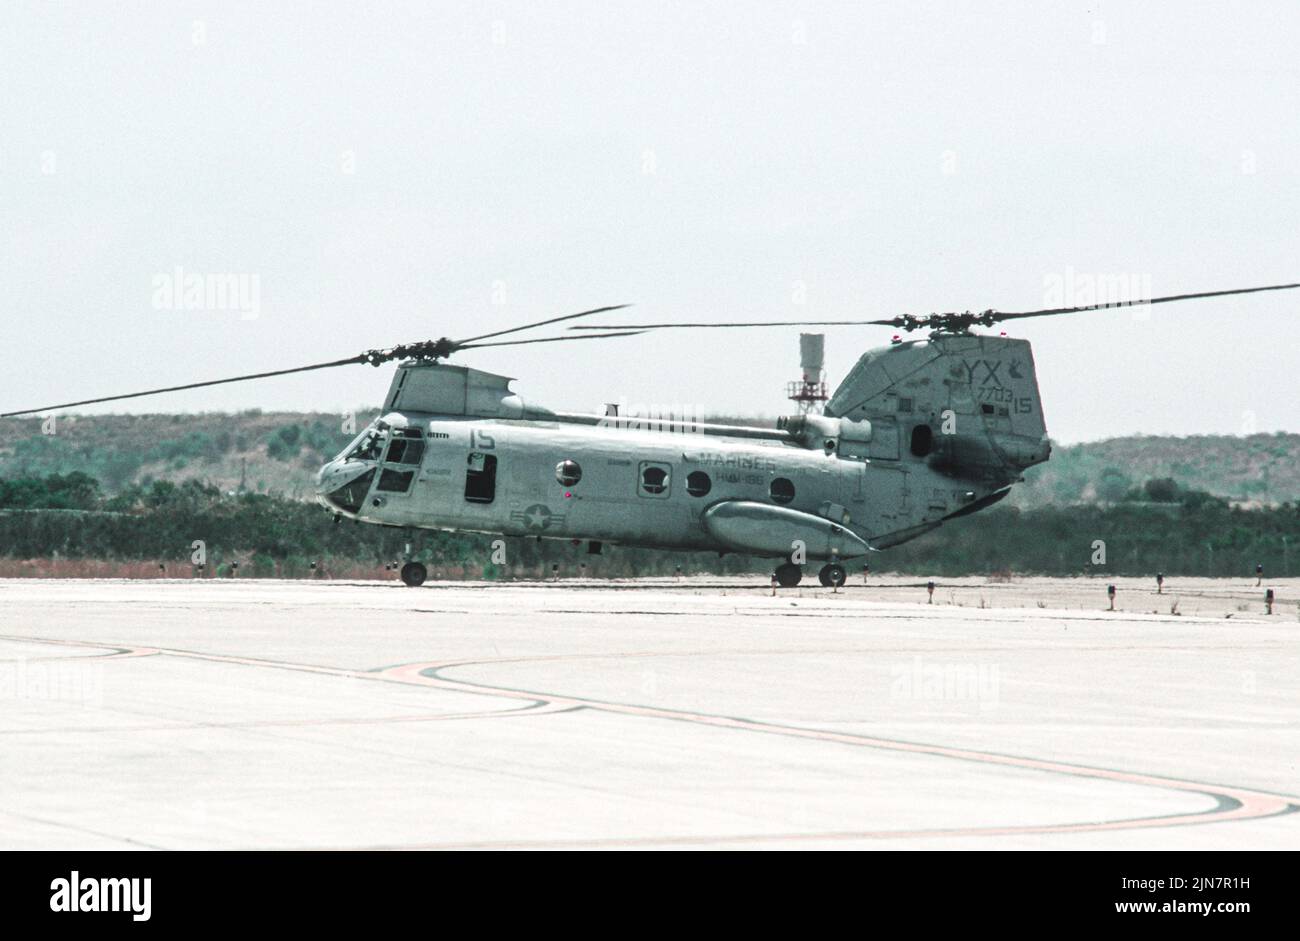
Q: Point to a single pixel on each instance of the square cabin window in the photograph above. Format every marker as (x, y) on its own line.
(481, 478)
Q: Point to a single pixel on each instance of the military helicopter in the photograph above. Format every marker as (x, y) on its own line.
(920, 432)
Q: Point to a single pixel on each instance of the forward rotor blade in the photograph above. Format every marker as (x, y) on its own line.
(584, 336)
(541, 323)
(757, 323)
(191, 385)
(1047, 312)
(428, 349)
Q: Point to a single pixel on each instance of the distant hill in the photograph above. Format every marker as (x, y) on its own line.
(261, 452)
(1252, 470)
(279, 452)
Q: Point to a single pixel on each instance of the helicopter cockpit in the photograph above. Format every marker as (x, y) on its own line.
(389, 448)
(368, 445)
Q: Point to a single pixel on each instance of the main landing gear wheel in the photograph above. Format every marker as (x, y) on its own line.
(788, 575)
(414, 574)
(832, 575)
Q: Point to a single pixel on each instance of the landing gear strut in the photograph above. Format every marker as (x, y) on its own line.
(788, 575)
(832, 575)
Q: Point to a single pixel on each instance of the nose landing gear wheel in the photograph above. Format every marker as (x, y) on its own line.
(832, 575)
(788, 575)
(414, 574)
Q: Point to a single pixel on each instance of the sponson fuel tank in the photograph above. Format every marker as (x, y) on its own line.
(766, 530)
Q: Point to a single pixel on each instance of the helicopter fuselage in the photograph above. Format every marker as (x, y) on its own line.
(657, 488)
(918, 433)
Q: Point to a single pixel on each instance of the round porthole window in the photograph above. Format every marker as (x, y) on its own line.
(654, 480)
(782, 490)
(568, 473)
(698, 483)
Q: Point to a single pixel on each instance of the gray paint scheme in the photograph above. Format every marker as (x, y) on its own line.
(863, 476)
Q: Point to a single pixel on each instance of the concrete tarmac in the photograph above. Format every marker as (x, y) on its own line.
(699, 712)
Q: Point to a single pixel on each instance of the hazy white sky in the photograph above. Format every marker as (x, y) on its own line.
(411, 171)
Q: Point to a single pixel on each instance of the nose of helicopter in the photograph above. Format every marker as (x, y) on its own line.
(327, 479)
(326, 473)
(342, 485)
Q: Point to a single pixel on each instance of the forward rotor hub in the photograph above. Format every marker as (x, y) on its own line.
(429, 350)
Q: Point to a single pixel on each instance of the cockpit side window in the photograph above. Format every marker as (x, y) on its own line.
(395, 481)
(407, 447)
(369, 444)
(405, 451)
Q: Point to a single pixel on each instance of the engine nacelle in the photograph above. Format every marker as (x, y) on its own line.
(821, 432)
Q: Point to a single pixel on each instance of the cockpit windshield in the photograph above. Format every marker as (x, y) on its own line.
(369, 445)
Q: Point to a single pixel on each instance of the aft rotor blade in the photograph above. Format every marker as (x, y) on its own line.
(191, 385)
(1047, 312)
(950, 320)
(585, 336)
(541, 323)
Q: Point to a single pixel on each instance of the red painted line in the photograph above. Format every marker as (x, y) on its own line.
(1250, 803)
(116, 652)
(1246, 803)
(544, 709)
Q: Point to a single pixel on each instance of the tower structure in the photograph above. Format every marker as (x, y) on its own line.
(809, 391)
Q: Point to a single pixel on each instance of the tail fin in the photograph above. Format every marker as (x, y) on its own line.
(959, 415)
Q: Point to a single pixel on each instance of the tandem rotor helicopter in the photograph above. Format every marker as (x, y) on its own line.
(918, 433)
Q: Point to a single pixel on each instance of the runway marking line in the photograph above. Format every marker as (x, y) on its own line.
(1232, 803)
